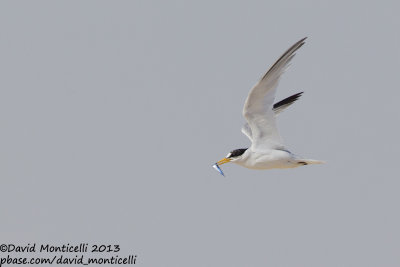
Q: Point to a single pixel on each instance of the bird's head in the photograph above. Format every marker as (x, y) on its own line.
(232, 156)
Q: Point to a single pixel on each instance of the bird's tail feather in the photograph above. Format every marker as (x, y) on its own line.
(310, 161)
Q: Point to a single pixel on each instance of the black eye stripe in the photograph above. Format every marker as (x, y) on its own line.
(237, 152)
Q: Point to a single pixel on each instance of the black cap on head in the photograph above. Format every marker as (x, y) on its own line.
(236, 152)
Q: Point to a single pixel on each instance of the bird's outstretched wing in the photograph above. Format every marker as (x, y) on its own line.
(258, 108)
(277, 108)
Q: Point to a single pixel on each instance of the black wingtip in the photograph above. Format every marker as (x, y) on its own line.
(287, 101)
(302, 40)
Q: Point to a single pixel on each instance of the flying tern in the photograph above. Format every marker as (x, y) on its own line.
(267, 150)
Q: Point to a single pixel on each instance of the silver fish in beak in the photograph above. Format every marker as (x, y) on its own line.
(216, 166)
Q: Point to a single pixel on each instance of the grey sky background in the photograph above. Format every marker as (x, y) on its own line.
(112, 113)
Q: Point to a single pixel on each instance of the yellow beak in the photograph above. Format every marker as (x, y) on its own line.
(223, 161)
